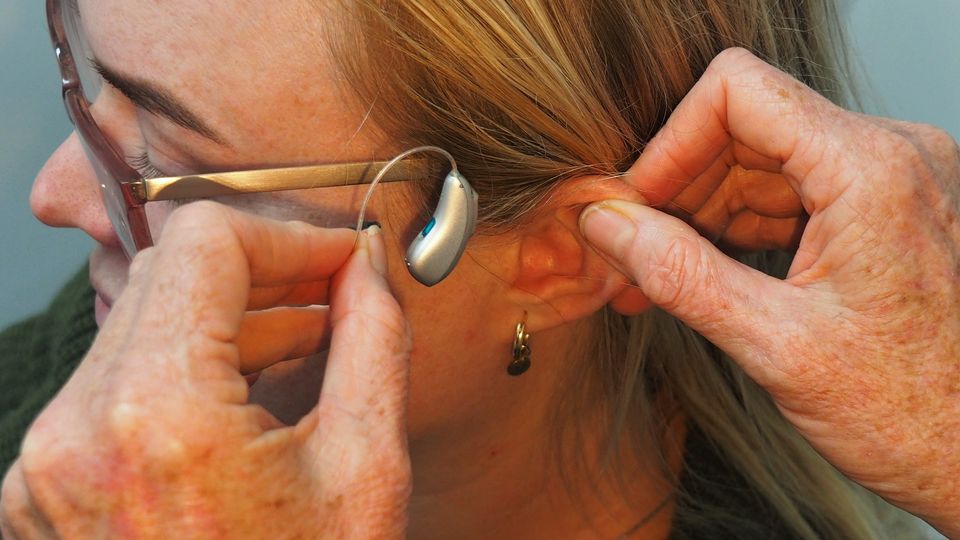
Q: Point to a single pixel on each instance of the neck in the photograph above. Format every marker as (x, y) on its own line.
(499, 476)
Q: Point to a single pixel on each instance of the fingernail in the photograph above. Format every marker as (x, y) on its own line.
(363, 226)
(376, 252)
(609, 227)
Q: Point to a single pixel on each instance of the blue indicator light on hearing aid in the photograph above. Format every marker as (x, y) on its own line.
(429, 227)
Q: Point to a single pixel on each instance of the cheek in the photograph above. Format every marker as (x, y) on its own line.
(457, 371)
(460, 352)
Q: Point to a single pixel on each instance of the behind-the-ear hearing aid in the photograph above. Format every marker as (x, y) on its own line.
(434, 252)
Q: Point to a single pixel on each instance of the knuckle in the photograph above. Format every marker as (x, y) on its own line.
(379, 314)
(125, 423)
(903, 143)
(200, 210)
(42, 454)
(387, 317)
(930, 133)
(206, 220)
(903, 138)
(140, 263)
(900, 146)
(200, 234)
(939, 143)
(740, 65)
(913, 156)
(730, 64)
(40, 476)
(137, 438)
(673, 269)
(135, 426)
(384, 334)
(735, 59)
(15, 507)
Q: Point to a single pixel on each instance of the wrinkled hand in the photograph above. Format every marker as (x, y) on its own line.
(860, 345)
(152, 437)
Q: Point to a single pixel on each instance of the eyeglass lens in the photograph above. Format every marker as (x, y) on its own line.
(91, 84)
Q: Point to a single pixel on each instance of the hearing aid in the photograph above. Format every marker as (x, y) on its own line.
(437, 248)
(434, 252)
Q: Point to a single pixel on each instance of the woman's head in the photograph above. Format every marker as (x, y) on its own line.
(543, 104)
(197, 87)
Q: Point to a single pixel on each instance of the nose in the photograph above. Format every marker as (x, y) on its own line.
(66, 193)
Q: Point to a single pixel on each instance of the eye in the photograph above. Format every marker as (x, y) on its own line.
(144, 166)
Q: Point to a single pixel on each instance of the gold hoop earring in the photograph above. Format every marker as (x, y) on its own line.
(521, 351)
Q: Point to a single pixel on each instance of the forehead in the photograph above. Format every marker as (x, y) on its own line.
(259, 71)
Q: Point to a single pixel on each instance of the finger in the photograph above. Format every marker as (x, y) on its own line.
(749, 232)
(19, 515)
(735, 165)
(185, 303)
(743, 194)
(283, 333)
(763, 114)
(198, 282)
(692, 198)
(761, 192)
(677, 269)
(751, 159)
(365, 384)
(298, 294)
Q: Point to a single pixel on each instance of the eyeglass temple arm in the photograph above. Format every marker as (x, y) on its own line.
(259, 181)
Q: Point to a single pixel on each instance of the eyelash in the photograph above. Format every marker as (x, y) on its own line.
(145, 167)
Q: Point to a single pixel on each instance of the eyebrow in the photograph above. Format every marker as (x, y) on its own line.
(157, 101)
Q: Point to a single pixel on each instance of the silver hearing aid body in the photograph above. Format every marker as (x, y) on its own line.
(437, 248)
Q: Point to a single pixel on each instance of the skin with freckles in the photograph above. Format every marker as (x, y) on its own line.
(417, 431)
(859, 345)
(478, 439)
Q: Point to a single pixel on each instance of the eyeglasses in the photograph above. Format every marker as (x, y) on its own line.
(125, 191)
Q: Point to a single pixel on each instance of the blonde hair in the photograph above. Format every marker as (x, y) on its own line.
(529, 93)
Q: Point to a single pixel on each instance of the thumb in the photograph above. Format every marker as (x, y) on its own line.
(736, 307)
(365, 383)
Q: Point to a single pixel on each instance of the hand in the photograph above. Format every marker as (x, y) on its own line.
(152, 437)
(860, 344)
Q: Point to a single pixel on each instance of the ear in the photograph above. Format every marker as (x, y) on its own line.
(558, 277)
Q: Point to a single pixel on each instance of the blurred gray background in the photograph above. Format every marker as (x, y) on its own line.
(910, 50)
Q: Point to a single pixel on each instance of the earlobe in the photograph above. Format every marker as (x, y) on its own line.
(630, 301)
